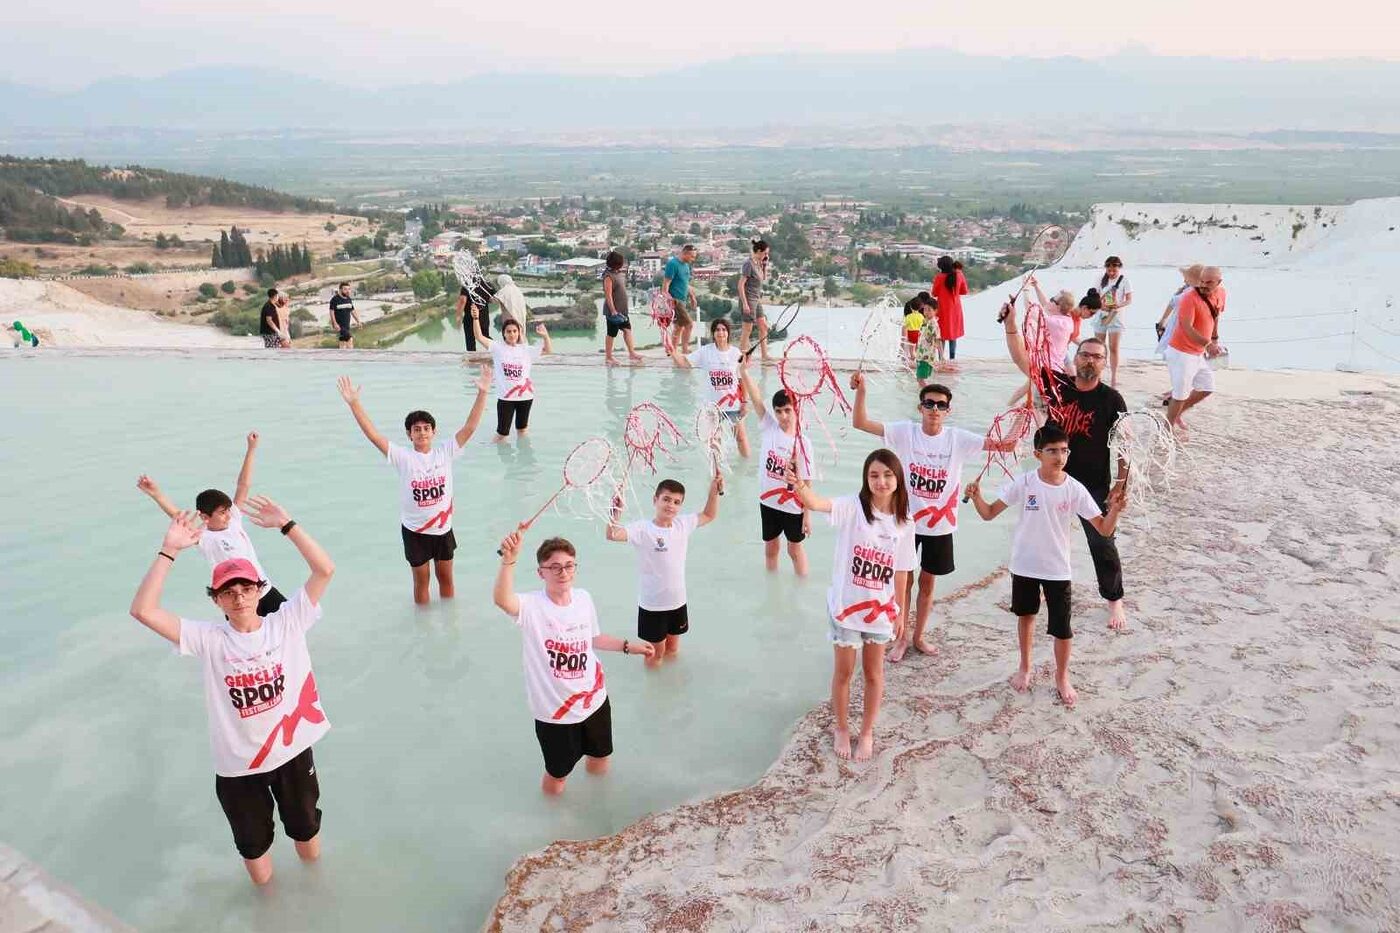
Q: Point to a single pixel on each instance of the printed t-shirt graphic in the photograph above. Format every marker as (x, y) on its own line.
(512, 365)
(721, 373)
(868, 555)
(342, 308)
(563, 679)
(233, 541)
(661, 561)
(772, 467)
(1040, 545)
(932, 470)
(259, 688)
(425, 480)
(1087, 417)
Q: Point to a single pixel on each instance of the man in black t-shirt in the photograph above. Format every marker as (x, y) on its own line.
(343, 314)
(270, 322)
(1086, 411)
(479, 297)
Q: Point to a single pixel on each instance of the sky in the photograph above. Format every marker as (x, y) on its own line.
(64, 44)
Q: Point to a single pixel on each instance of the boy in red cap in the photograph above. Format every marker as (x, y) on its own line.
(259, 689)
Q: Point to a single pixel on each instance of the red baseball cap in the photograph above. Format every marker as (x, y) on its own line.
(236, 568)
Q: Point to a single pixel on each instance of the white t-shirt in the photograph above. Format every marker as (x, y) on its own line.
(868, 555)
(932, 471)
(512, 365)
(233, 541)
(259, 688)
(425, 480)
(721, 375)
(563, 679)
(772, 467)
(661, 561)
(1040, 546)
(1118, 288)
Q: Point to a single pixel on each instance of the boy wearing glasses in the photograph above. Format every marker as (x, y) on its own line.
(933, 456)
(259, 689)
(1086, 412)
(661, 543)
(563, 679)
(1046, 496)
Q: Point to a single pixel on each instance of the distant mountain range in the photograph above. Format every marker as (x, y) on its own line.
(1133, 92)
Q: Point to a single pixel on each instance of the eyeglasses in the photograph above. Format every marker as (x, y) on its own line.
(1090, 356)
(930, 404)
(560, 568)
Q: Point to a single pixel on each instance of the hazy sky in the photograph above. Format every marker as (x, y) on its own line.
(66, 43)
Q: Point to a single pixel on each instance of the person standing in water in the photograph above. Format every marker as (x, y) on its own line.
(751, 278)
(720, 361)
(615, 310)
(513, 359)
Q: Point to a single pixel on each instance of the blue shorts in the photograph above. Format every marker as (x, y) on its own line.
(850, 638)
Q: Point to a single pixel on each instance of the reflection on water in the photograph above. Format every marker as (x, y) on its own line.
(430, 772)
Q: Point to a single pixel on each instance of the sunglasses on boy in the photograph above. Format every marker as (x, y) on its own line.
(934, 404)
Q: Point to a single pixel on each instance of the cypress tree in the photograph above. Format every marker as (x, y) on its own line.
(225, 253)
(216, 260)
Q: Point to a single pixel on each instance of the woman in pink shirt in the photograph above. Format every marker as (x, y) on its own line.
(1061, 316)
(949, 285)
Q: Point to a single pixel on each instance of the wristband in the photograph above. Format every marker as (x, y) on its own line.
(507, 563)
(286, 529)
(625, 649)
(169, 557)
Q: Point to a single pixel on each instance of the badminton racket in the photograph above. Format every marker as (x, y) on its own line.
(779, 329)
(1046, 249)
(585, 465)
(467, 270)
(806, 373)
(663, 315)
(709, 432)
(1008, 429)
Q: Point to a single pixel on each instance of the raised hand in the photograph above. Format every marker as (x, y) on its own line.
(541, 330)
(184, 531)
(265, 513)
(483, 379)
(857, 379)
(348, 390)
(971, 490)
(510, 546)
(147, 485)
(252, 439)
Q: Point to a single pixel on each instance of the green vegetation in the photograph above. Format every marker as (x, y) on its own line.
(11, 268)
(425, 283)
(280, 262)
(28, 216)
(228, 288)
(208, 290)
(232, 251)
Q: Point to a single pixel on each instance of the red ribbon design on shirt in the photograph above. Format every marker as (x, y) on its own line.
(737, 397)
(526, 386)
(873, 609)
(441, 519)
(784, 495)
(586, 696)
(936, 513)
(306, 710)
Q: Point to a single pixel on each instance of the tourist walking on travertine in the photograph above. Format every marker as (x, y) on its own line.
(949, 285)
(615, 309)
(751, 278)
(1195, 342)
(343, 315)
(676, 283)
(1116, 294)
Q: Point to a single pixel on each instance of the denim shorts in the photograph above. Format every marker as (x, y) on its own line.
(850, 638)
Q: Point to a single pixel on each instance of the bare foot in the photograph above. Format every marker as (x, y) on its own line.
(925, 647)
(1068, 695)
(865, 746)
(896, 653)
(1021, 681)
(1117, 615)
(636, 357)
(610, 361)
(841, 741)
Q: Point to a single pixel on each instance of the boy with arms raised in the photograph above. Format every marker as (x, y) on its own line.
(933, 456)
(563, 679)
(223, 536)
(259, 689)
(780, 510)
(661, 544)
(1048, 498)
(425, 475)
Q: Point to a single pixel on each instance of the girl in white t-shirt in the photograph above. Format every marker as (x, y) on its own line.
(1116, 294)
(874, 557)
(720, 362)
(512, 359)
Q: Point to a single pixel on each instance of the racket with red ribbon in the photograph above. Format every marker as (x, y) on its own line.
(663, 315)
(1007, 431)
(806, 375)
(587, 469)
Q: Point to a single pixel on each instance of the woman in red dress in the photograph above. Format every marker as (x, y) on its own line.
(949, 285)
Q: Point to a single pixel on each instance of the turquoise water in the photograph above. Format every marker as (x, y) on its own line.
(430, 772)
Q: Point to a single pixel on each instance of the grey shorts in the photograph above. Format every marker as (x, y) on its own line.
(850, 638)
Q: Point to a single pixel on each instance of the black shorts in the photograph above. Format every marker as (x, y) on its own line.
(1025, 601)
(622, 324)
(419, 548)
(654, 625)
(248, 803)
(777, 522)
(563, 744)
(342, 321)
(507, 409)
(270, 601)
(935, 553)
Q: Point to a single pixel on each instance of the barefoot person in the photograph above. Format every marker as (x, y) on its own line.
(929, 352)
(512, 358)
(1086, 411)
(563, 678)
(478, 299)
(343, 314)
(752, 275)
(933, 455)
(1116, 294)
(425, 481)
(780, 511)
(1046, 497)
(721, 361)
(259, 689)
(874, 557)
(1195, 342)
(676, 284)
(224, 536)
(661, 544)
(615, 309)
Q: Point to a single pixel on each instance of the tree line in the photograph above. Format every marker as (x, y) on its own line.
(30, 217)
